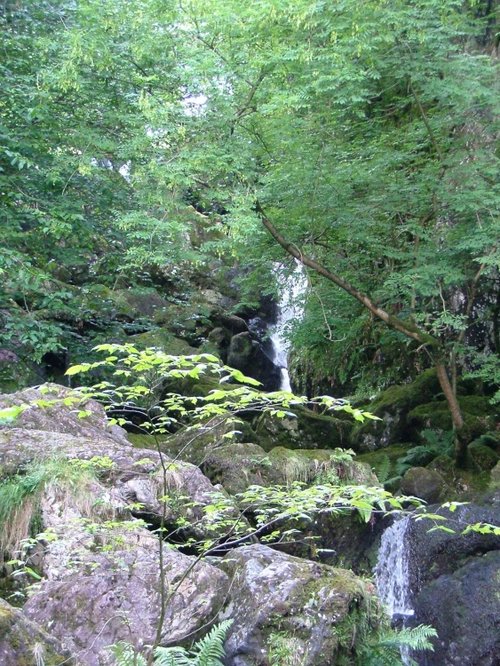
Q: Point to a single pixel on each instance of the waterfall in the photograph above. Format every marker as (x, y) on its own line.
(392, 575)
(290, 306)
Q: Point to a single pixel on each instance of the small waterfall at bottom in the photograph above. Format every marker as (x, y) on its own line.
(392, 574)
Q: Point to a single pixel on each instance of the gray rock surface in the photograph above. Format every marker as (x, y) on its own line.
(56, 416)
(280, 597)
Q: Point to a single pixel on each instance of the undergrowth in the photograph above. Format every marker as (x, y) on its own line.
(20, 497)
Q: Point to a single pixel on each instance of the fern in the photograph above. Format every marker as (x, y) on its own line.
(385, 647)
(125, 655)
(383, 468)
(210, 649)
(436, 443)
(173, 656)
(417, 638)
(206, 652)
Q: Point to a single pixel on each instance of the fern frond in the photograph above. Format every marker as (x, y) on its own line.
(416, 638)
(172, 656)
(125, 655)
(210, 649)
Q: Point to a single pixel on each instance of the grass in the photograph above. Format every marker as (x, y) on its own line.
(20, 497)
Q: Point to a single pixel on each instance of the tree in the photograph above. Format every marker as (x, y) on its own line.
(366, 132)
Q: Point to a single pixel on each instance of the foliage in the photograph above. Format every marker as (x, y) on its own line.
(384, 647)
(138, 144)
(437, 443)
(208, 651)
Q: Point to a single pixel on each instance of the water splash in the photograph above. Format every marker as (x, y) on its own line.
(290, 307)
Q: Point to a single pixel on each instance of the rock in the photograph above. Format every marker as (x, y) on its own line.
(247, 355)
(24, 643)
(392, 406)
(162, 339)
(307, 430)
(19, 446)
(103, 589)
(57, 417)
(464, 608)
(136, 474)
(237, 465)
(481, 457)
(139, 302)
(276, 596)
(437, 553)
(449, 579)
(477, 412)
(495, 477)
(233, 323)
(424, 483)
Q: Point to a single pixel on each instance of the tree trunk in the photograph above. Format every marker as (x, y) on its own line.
(456, 414)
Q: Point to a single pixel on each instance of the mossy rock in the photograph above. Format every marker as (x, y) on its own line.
(139, 302)
(481, 457)
(405, 396)
(461, 484)
(392, 407)
(18, 638)
(162, 339)
(477, 413)
(427, 484)
(307, 431)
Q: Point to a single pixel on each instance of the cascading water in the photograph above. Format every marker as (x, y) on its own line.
(392, 575)
(290, 306)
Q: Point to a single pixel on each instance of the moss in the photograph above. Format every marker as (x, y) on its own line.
(307, 431)
(161, 338)
(404, 396)
(481, 457)
(477, 413)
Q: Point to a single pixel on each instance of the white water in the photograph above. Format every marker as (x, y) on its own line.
(293, 288)
(392, 575)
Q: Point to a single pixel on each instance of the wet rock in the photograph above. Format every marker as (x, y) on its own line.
(464, 608)
(233, 323)
(438, 553)
(23, 642)
(424, 483)
(246, 354)
(279, 596)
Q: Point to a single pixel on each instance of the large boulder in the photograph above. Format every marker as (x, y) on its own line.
(24, 643)
(448, 580)
(55, 408)
(427, 484)
(392, 407)
(464, 608)
(237, 465)
(304, 430)
(105, 587)
(282, 599)
(138, 477)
